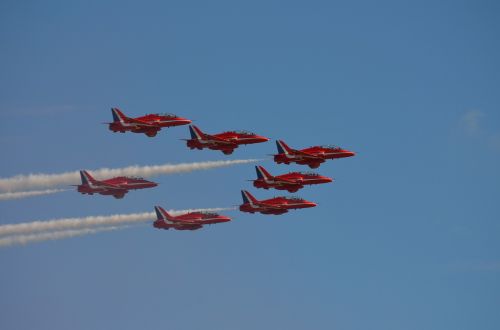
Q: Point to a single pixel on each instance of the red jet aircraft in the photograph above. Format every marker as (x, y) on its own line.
(312, 156)
(292, 181)
(188, 221)
(149, 124)
(225, 142)
(276, 205)
(117, 187)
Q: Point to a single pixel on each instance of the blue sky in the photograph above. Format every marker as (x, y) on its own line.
(405, 238)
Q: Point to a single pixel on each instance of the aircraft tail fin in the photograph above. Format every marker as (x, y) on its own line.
(118, 116)
(87, 179)
(196, 133)
(248, 198)
(283, 148)
(262, 173)
(161, 214)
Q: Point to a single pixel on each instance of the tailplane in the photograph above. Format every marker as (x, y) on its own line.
(161, 214)
(118, 116)
(262, 173)
(283, 148)
(87, 179)
(248, 198)
(196, 133)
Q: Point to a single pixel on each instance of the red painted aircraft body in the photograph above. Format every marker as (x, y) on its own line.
(225, 142)
(149, 124)
(313, 156)
(117, 187)
(276, 205)
(187, 221)
(292, 181)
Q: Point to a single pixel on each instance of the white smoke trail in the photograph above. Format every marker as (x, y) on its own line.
(31, 181)
(77, 223)
(50, 236)
(24, 194)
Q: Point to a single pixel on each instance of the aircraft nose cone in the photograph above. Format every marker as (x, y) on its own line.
(262, 138)
(327, 179)
(311, 204)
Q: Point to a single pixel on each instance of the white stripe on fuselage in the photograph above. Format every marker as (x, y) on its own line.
(293, 182)
(239, 139)
(274, 207)
(202, 220)
(133, 183)
(292, 156)
(147, 124)
(169, 121)
(230, 141)
(194, 222)
(214, 142)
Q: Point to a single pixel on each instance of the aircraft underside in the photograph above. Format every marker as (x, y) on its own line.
(181, 227)
(148, 132)
(274, 212)
(302, 162)
(225, 150)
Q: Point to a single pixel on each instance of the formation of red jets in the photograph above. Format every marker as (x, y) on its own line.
(226, 142)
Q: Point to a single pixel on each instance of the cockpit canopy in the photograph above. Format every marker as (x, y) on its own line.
(212, 214)
(168, 115)
(294, 198)
(135, 177)
(330, 146)
(310, 173)
(242, 132)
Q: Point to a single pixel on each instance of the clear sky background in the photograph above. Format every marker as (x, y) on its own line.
(407, 237)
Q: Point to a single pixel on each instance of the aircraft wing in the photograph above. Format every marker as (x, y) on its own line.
(307, 155)
(220, 140)
(191, 221)
(271, 206)
(281, 180)
(193, 227)
(142, 123)
(110, 186)
(117, 190)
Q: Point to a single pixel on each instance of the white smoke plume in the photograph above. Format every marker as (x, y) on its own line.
(85, 222)
(24, 194)
(50, 236)
(32, 181)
